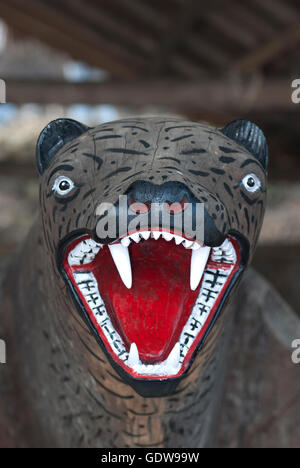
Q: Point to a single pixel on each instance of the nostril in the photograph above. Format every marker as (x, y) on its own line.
(177, 207)
(138, 207)
(171, 206)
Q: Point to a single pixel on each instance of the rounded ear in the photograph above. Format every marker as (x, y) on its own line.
(251, 137)
(54, 136)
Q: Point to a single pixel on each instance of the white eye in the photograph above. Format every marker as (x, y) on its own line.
(251, 183)
(63, 185)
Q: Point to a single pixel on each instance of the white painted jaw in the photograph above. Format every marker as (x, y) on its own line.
(170, 366)
(211, 266)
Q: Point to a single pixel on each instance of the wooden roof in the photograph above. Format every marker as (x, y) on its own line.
(170, 38)
(212, 60)
(216, 57)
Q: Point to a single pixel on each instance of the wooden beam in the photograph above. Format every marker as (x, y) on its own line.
(197, 54)
(267, 52)
(232, 29)
(219, 95)
(261, 27)
(204, 50)
(62, 32)
(111, 25)
(279, 9)
(185, 68)
(146, 14)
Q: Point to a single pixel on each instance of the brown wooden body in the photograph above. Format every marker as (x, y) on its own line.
(57, 388)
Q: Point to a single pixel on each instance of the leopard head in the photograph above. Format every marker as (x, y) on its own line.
(151, 293)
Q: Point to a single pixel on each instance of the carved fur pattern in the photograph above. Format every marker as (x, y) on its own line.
(75, 388)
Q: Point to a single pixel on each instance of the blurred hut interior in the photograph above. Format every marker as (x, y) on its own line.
(100, 60)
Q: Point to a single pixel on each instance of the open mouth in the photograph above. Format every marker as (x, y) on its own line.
(151, 296)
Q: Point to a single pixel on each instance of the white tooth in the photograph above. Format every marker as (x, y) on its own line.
(167, 236)
(84, 246)
(198, 262)
(156, 234)
(174, 356)
(146, 235)
(178, 239)
(133, 358)
(135, 237)
(126, 241)
(84, 252)
(196, 246)
(121, 258)
(226, 245)
(217, 257)
(187, 244)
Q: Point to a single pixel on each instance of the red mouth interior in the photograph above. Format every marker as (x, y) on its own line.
(153, 312)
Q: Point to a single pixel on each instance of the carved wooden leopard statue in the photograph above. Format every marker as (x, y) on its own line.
(125, 337)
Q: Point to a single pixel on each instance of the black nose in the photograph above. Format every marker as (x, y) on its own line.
(142, 194)
(174, 196)
(170, 192)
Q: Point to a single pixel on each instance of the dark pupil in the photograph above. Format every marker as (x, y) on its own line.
(64, 185)
(250, 182)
